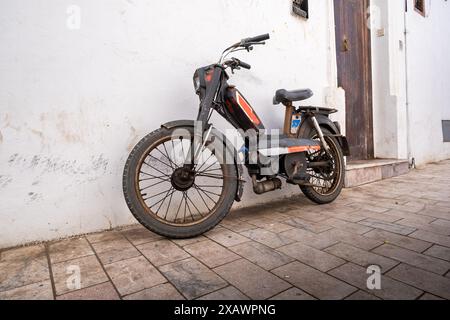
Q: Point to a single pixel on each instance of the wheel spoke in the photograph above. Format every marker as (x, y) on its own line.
(165, 174)
(202, 186)
(146, 199)
(204, 162)
(210, 192)
(179, 207)
(218, 177)
(182, 149)
(167, 156)
(164, 200)
(212, 170)
(202, 199)
(198, 189)
(187, 195)
(158, 202)
(207, 168)
(152, 177)
(168, 207)
(186, 205)
(170, 166)
(153, 185)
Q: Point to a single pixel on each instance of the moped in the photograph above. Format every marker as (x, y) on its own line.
(181, 180)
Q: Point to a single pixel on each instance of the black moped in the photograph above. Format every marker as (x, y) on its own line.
(182, 179)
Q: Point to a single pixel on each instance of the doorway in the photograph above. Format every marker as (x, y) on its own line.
(353, 53)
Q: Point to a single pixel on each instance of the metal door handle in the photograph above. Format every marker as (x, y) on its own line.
(345, 45)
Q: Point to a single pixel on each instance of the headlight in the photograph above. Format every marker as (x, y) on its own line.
(197, 83)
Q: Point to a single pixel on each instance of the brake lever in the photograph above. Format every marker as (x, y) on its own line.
(249, 46)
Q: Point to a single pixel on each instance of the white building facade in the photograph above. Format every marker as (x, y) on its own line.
(83, 81)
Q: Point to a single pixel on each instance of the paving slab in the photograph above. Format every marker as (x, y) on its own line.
(318, 284)
(391, 227)
(252, 280)
(69, 250)
(413, 258)
(23, 266)
(139, 235)
(318, 241)
(103, 291)
(211, 253)
(424, 280)
(225, 237)
(35, 291)
(390, 289)
(115, 250)
(261, 255)
(162, 252)
(228, 293)
(164, 291)
(267, 238)
(312, 257)
(398, 240)
(133, 275)
(293, 294)
(361, 257)
(192, 278)
(439, 252)
(77, 274)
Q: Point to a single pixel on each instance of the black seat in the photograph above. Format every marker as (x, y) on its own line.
(285, 97)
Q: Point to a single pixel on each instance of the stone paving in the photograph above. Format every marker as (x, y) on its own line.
(286, 250)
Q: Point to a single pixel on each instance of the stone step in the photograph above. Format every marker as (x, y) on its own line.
(363, 172)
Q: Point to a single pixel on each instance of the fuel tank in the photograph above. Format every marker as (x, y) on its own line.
(241, 110)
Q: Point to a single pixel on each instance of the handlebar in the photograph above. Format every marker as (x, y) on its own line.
(260, 38)
(235, 63)
(245, 44)
(244, 65)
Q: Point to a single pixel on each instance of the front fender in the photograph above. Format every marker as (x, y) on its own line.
(325, 122)
(229, 146)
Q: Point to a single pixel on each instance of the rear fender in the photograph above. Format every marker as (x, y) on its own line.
(324, 122)
(229, 146)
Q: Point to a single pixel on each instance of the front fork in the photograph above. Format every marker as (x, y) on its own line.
(202, 132)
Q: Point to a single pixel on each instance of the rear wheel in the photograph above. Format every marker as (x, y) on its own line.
(171, 197)
(325, 183)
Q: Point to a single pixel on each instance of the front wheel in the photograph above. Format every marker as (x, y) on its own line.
(325, 183)
(169, 195)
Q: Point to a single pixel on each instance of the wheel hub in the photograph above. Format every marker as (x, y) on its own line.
(182, 179)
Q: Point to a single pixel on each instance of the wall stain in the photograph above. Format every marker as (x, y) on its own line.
(63, 124)
(38, 133)
(34, 197)
(50, 164)
(134, 137)
(7, 123)
(5, 180)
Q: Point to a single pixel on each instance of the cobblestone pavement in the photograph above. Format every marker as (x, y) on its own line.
(286, 250)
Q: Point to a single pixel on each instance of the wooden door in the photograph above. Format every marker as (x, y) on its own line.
(355, 75)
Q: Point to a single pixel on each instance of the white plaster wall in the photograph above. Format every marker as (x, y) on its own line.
(428, 79)
(74, 102)
(426, 52)
(388, 79)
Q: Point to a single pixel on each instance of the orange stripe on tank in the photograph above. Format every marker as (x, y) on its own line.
(248, 110)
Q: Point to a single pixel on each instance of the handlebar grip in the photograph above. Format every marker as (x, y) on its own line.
(244, 65)
(260, 38)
